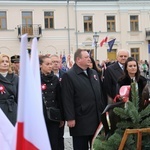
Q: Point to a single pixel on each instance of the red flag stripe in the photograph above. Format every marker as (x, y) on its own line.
(103, 41)
(106, 39)
(22, 143)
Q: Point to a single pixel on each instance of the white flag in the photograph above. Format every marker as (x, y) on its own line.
(93, 43)
(6, 132)
(31, 129)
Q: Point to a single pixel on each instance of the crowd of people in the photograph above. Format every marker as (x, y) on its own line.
(76, 96)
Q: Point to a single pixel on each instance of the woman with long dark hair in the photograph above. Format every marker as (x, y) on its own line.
(132, 74)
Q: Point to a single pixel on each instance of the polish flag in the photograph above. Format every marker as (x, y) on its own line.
(103, 41)
(31, 133)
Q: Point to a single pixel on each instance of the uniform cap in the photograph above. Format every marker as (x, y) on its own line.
(15, 59)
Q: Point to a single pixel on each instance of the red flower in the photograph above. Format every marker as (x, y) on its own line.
(43, 86)
(2, 89)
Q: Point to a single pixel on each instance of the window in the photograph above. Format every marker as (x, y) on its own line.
(134, 23)
(135, 53)
(27, 26)
(27, 18)
(49, 20)
(88, 25)
(111, 24)
(3, 20)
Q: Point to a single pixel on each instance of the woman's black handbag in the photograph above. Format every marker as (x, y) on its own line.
(54, 114)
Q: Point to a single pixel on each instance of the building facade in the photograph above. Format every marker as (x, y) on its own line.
(63, 26)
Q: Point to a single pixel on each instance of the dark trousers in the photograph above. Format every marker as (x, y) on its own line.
(82, 142)
(61, 138)
(53, 130)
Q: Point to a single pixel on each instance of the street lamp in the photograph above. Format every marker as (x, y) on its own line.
(95, 38)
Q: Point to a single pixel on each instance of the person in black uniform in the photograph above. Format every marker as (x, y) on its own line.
(15, 60)
(51, 98)
(8, 89)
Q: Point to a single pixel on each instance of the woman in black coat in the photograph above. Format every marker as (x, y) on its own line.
(8, 89)
(132, 74)
(51, 98)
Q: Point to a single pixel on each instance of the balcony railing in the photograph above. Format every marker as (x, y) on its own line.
(32, 30)
(147, 30)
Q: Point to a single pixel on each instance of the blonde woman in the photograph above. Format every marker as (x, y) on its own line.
(8, 89)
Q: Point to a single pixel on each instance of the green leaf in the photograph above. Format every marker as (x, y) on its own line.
(145, 112)
(130, 143)
(145, 123)
(121, 112)
(125, 125)
(135, 97)
(133, 113)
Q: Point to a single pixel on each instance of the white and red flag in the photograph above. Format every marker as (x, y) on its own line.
(31, 133)
(103, 41)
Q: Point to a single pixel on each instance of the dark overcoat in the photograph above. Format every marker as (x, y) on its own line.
(111, 76)
(51, 94)
(82, 100)
(51, 98)
(9, 96)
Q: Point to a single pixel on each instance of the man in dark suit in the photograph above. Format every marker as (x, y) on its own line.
(82, 100)
(56, 66)
(113, 73)
(59, 73)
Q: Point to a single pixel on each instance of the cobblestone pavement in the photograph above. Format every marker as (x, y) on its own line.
(67, 139)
